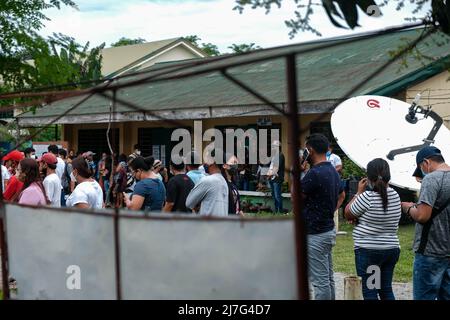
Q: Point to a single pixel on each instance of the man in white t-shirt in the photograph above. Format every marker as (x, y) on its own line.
(335, 160)
(5, 177)
(52, 183)
(60, 166)
(87, 194)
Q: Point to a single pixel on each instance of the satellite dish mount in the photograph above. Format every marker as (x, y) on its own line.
(411, 117)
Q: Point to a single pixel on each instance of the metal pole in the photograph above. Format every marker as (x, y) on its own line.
(3, 245)
(293, 143)
(116, 212)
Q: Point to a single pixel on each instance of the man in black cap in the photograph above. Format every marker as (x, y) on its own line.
(432, 239)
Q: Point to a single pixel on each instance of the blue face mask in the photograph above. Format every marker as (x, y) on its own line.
(423, 173)
(206, 167)
(328, 154)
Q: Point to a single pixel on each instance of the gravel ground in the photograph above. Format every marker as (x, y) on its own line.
(402, 291)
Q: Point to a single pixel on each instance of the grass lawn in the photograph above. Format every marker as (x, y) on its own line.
(344, 257)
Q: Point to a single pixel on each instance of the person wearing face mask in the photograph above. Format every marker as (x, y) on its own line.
(323, 194)
(14, 185)
(334, 159)
(210, 194)
(87, 193)
(30, 153)
(431, 278)
(376, 243)
(52, 183)
(178, 189)
(149, 192)
(230, 171)
(33, 192)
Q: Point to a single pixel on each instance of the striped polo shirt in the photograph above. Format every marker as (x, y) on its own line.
(376, 228)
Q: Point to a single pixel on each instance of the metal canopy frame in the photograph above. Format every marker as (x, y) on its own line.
(108, 89)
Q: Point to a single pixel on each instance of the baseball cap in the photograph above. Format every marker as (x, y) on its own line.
(425, 153)
(157, 164)
(14, 155)
(48, 158)
(88, 153)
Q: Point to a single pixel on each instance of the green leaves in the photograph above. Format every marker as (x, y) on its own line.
(127, 41)
(208, 48)
(241, 48)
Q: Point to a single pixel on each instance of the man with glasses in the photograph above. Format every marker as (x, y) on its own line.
(431, 278)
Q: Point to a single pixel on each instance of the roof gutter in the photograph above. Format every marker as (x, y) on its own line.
(413, 78)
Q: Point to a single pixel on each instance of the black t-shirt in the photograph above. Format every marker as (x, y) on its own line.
(322, 186)
(178, 189)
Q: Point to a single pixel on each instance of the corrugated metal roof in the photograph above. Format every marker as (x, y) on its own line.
(324, 74)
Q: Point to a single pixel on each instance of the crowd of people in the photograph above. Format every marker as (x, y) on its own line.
(136, 182)
(65, 179)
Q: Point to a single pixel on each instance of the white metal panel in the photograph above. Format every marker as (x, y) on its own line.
(43, 243)
(204, 259)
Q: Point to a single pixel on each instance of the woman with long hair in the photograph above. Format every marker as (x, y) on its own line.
(376, 211)
(149, 192)
(88, 193)
(33, 191)
(230, 171)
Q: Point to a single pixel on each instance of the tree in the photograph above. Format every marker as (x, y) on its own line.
(61, 60)
(28, 60)
(347, 10)
(127, 41)
(241, 48)
(209, 48)
(19, 22)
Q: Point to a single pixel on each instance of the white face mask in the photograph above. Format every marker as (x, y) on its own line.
(33, 156)
(138, 152)
(72, 177)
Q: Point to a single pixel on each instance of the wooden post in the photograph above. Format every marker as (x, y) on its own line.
(353, 288)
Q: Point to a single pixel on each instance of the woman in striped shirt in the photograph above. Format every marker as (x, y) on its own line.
(376, 211)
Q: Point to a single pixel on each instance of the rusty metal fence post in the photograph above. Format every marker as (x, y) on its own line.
(293, 143)
(3, 245)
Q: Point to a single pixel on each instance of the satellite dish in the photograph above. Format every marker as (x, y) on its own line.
(369, 127)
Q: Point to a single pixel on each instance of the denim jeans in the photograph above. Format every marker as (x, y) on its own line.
(63, 198)
(320, 264)
(385, 260)
(106, 187)
(275, 187)
(431, 279)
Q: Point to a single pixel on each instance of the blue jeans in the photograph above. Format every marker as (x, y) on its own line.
(320, 264)
(106, 187)
(385, 260)
(431, 279)
(276, 195)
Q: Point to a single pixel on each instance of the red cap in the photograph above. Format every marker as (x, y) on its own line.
(14, 155)
(48, 158)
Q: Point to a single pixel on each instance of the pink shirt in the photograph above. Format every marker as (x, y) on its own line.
(33, 195)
